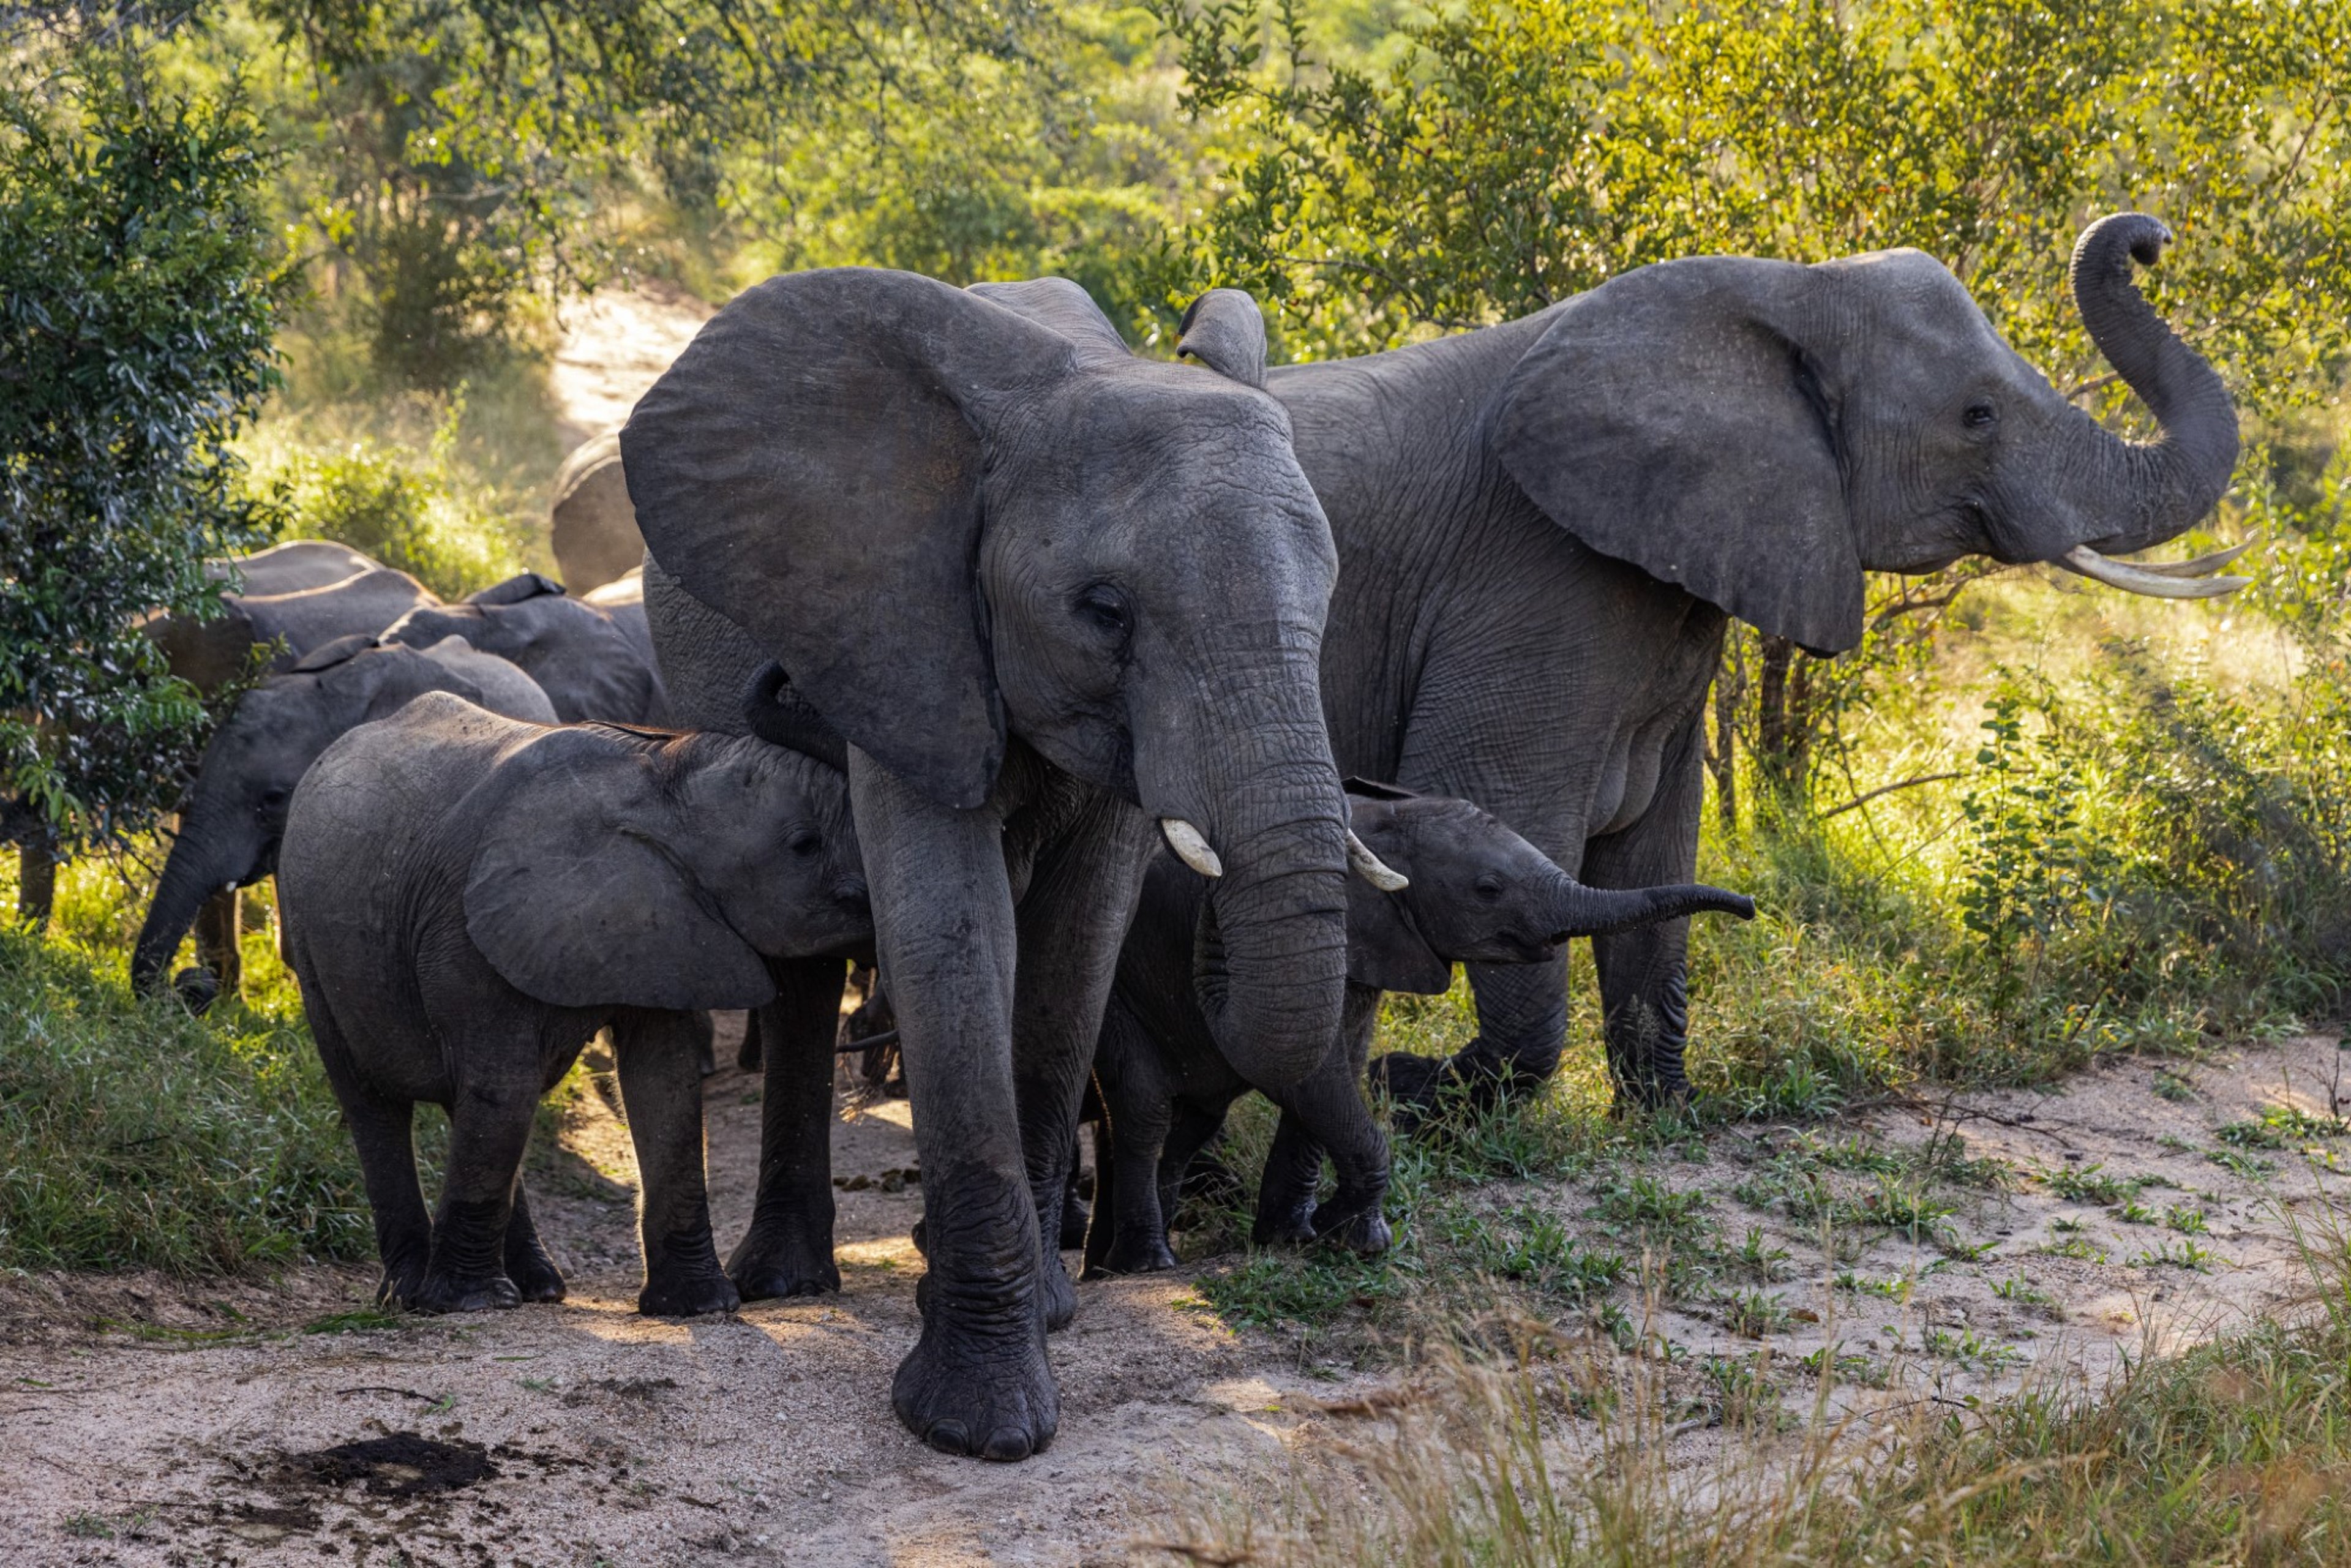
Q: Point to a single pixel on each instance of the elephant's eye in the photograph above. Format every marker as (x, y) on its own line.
(1980, 416)
(273, 798)
(805, 843)
(1489, 889)
(1107, 608)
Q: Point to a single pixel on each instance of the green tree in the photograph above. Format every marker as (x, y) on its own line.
(138, 289)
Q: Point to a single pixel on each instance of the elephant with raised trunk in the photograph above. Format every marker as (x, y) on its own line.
(1053, 600)
(1471, 891)
(1542, 528)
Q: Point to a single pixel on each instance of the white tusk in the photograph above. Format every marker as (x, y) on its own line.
(1370, 868)
(2139, 580)
(1190, 847)
(2202, 566)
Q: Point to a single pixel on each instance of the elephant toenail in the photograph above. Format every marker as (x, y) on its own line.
(1005, 1445)
(948, 1437)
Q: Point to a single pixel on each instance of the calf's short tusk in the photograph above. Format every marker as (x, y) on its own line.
(1370, 868)
(2202, 566)
(1190, 847)
(2139, 580)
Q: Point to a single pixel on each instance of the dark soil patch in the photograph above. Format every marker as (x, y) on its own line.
(402, 1465)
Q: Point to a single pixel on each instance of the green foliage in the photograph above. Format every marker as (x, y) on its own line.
(416, 516)
(135, 1136)
(138, 289)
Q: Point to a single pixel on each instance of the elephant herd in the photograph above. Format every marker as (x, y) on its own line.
(1050, 678)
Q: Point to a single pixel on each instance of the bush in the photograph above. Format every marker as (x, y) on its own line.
(132, 1136)
(405, 514)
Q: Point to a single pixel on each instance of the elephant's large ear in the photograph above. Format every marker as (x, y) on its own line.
(515, 590)
(575, 899)
(810, 468)
(1225, 330)
(363, 681)
(1672, 418)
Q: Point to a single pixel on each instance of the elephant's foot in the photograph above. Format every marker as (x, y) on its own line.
(1411, 1084)
(1354, 1223)
(1281, 1222)
(1059, 1297)
(197, 989)
(988, 1397)
(1424, 1093)
(536, 1277)
(1131, 1255)
(1074, 1218)
(438, 1292)
(404, 1277)
(687, 1293)
(769, 1264)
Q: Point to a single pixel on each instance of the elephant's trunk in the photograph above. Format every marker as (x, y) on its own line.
(1576, 910)
(1273, 954)
(204, 859)
(2152, 491)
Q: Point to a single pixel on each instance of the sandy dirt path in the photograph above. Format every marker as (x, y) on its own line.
(152, 1424)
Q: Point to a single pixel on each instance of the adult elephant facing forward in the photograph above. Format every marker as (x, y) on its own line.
(1035, 584)
(1543, 526)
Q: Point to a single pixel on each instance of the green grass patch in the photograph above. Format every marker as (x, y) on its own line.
(134, 1136)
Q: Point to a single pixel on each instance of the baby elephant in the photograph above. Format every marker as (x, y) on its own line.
(1476, 893)
(468, 899)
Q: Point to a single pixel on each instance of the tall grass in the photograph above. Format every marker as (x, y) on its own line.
(134, 1136)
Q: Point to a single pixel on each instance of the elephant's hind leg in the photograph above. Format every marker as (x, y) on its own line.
(534, 1273)
(489, 1125)
(383, 1134)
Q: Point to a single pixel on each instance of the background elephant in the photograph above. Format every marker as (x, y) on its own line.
(590, 524)
(580, 656)
(234, 812)
(1476, 893)
(1046, 594)
(293, 566)
(209, 655)
(469, 899)
(623, 599)
(1543, 525)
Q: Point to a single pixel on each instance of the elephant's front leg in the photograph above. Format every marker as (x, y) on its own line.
(1643, 1004)
(661, 1085)
(1071, 921)
(978, 1381)
(788, 1250)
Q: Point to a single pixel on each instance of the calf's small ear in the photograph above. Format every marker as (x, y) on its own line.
(1225, 330)
(575, 899)
(516, 589)
(1385, 950)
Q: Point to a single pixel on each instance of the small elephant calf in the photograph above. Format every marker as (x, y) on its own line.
(468, 899)
(1477, 892)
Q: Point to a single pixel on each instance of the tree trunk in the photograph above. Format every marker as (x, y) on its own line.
(1722, 757)
(218, 929)
(36, 881)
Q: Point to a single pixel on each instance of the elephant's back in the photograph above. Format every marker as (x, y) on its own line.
(294, 565)
(591, 522)
(365, 821)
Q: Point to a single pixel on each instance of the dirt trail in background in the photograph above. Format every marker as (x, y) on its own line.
(614, 345)
(152, 1424)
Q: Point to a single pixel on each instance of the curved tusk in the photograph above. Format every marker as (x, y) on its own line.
(2139, 580)
(1370, 868)
(1190, 847)
(2202, 566)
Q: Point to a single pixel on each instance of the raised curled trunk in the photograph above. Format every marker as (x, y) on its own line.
(1580, 910)
(2143, 493)
(204, 859)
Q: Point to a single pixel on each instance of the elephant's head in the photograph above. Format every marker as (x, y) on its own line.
(654, 869)
(234, 812)
(1762, 432)
(957, 517)
(589, 667)
(1479, 894)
